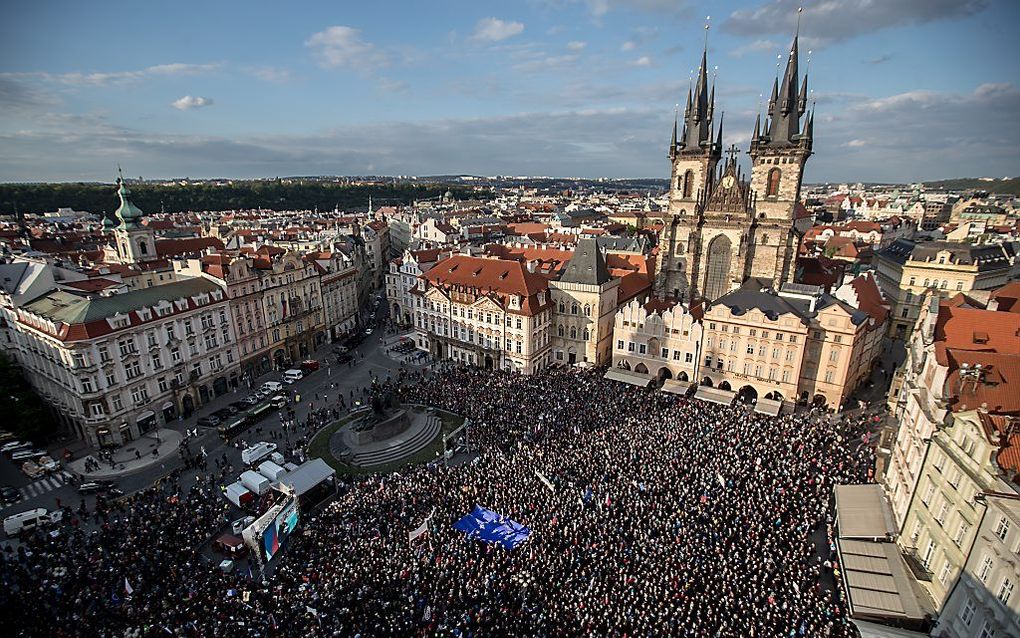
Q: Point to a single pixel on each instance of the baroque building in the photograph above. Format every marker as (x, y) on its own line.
(722, 229)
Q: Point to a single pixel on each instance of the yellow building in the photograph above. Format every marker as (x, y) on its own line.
(907, 269)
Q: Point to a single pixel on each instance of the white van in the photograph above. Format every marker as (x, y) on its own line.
(279, 401)
(17, 523)
(271, 387)
(257, 452)
(290, 376)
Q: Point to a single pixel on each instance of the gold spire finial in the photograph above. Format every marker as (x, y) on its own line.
(800, 10)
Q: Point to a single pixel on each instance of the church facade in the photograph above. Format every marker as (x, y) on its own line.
(722, 228)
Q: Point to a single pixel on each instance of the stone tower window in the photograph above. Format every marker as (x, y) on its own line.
(764, 240)
(772, 188)
(143, 248)
(688, 183)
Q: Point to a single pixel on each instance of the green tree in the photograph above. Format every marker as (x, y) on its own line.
(25, 413)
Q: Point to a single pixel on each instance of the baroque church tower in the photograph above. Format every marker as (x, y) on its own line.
(136, 242)
(721, 229)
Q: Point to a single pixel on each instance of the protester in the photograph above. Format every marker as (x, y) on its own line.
(666, 517)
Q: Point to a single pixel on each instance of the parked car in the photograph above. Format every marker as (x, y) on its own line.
(93, 487)
(9, 494)
(23, 455)
(241, 405)
(340, 350)
(210, 421)
(271, 386)
(251, 400)
(48, 464)
(14, 446)
(32, 470)
(279, 401)
(260, 394)
(368, 332)
(309, 366)
(223, 414)
(292, 375)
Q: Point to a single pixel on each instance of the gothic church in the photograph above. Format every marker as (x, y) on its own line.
(722, 229)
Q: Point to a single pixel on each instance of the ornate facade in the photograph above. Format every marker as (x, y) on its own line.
(722, 229)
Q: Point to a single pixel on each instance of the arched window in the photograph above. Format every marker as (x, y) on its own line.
(573, 308)
(587, 310)
(573, 332)
(688, 183)
(563, 308)
(587, 335)
(772, 189)
(764, 240)
(559, 331)
(143, 248)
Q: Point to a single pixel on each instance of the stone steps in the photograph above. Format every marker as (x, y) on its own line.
(405, 448)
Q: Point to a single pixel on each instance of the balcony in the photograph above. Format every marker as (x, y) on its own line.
(916, 565)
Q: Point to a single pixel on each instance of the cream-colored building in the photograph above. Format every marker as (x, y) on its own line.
(906, 269)
(113, 367)
(985, 600)
(800, 344)
(945, 513)
(485, 312)
(339, 285)
(403, 277)
(660, 340)
(586, 298)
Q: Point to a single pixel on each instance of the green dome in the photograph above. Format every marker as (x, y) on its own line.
(127, 213)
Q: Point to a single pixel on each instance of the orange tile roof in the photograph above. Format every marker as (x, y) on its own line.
(499, 278)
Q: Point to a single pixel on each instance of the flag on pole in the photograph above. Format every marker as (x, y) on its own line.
(127, 587)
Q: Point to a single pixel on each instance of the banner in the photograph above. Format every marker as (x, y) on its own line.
(421, 529)
(545, 481)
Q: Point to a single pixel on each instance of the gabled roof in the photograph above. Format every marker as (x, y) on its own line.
(588, 265)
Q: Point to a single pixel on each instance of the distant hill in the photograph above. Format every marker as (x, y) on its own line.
(1007, 186)
(268, 194)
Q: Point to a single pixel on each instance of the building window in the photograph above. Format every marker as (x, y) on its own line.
(947, 567)
(118, 405)
(1002, 529)
(619, 344)
(708, 361)
(959, 285)
(772, 189)
(986, 568)
(642, 349)
(1005, 591)
(665, 353)
(86, 384)
(793, 338)
(630, 346)
(750, 349)
(786, 376)
(688, 357)
(688, 184)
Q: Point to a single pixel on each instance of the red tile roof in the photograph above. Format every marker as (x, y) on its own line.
(497, 278)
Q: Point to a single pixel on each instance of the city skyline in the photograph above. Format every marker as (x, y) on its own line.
(556, 88)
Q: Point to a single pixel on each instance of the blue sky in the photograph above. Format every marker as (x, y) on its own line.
(905, 89)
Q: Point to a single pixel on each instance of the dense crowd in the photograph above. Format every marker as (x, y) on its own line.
(665, 517)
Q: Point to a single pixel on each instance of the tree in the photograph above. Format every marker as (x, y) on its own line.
(26, 415)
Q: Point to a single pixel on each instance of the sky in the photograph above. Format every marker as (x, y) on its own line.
(905, 90)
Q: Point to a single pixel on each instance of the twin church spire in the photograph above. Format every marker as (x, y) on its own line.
(783, 124)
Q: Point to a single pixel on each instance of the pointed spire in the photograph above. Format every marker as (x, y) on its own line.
(718, 141)
(711, 101)
(772, 100)
(672, 141)
(757, 129)
(802, 100)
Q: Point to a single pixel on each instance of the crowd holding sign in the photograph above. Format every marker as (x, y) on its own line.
(669, 518)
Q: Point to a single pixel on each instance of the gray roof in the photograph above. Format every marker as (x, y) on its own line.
(308, 475)
(64, 307)
(758, 293)
(627, 244)
(588, 265)
(11, 275)
(986, 256)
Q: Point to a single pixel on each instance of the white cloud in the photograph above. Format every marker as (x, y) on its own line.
(644, 60)
(103, 78)
(576, 45)
(496, 30)
(855, 143)
(189, 102)
(342, 46)
(629, 45)
(757, 46)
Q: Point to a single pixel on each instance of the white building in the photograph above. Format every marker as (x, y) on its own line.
(657, 339)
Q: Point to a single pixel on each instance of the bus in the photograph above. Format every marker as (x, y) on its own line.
(234, 426)
(259, 412)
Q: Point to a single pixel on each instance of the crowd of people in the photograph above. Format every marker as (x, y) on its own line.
(654, 515)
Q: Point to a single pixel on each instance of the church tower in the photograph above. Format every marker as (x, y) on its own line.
(694, 155)
(136, 242)
(778, 155)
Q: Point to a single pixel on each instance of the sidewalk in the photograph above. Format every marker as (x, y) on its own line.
(132, 456)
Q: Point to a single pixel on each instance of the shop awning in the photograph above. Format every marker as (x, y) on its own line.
(875, 576)
(873, 630)
(715, 395)
(676, 387)
(626, 376)
(768, 406)
(863, 513)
